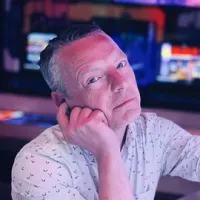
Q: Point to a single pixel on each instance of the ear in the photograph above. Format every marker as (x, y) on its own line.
(58, 98)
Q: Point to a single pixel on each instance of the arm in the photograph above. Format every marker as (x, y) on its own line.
(89, 129)
(113, 178)
(33, 178)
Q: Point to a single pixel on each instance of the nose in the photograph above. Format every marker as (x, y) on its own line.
(118, 81)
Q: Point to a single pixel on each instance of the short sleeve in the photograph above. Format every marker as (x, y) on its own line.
(181, 151)
(38, 177)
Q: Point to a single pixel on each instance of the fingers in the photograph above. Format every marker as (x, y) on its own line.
(78, 115)
(99, 116)
(85, 113)
(68, 111)
(61, 116)
(74, 116)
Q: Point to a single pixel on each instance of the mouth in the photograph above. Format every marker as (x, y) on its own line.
(125, 103)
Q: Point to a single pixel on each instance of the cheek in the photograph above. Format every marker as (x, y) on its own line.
(97, 99)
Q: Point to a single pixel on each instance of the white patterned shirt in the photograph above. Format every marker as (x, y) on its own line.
(48, 168)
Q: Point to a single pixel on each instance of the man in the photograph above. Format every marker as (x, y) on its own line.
(105, 148)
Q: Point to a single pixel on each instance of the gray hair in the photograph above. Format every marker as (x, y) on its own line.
(49, 64)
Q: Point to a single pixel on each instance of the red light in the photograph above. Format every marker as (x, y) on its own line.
(185, 50)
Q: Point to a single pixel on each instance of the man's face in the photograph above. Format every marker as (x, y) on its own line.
(97, 75)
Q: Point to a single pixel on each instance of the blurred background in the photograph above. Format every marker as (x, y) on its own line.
(160, 38)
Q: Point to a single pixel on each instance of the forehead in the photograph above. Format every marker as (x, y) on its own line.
(89, 49)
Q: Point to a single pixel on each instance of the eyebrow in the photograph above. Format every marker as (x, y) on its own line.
(123, 55)
(90, 70)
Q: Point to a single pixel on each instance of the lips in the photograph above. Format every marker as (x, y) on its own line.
(124, 103)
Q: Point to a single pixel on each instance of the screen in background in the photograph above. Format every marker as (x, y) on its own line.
(36, 42)
(191, 3)
(179, 63)
(22, 118)
(137, 41)
(135, 38)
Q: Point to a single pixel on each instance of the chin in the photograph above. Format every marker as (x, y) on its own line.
(131, 115)
(126, 117)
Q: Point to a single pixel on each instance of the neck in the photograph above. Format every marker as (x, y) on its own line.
(120, 132)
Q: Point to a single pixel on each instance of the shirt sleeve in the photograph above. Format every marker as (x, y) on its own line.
(39, 177)
(181, 151)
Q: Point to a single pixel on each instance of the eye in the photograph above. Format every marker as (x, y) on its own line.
(121, 64)
(93, 80)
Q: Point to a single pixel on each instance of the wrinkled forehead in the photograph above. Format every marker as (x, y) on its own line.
(89, 49)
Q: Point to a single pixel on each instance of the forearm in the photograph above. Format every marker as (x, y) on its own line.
(113, 180)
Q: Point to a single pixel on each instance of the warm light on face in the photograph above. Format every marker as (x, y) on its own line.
(100, 77)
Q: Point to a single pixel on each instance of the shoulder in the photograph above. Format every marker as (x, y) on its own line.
(147, 119)
(48, 158)
(50, 137)
(47, 164)
(49, 146)
(149, 126)
(151, 119)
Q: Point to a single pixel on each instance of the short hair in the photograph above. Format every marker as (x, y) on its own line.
(48, 63)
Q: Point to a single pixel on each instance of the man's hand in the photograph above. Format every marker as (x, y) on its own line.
(88, 129)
